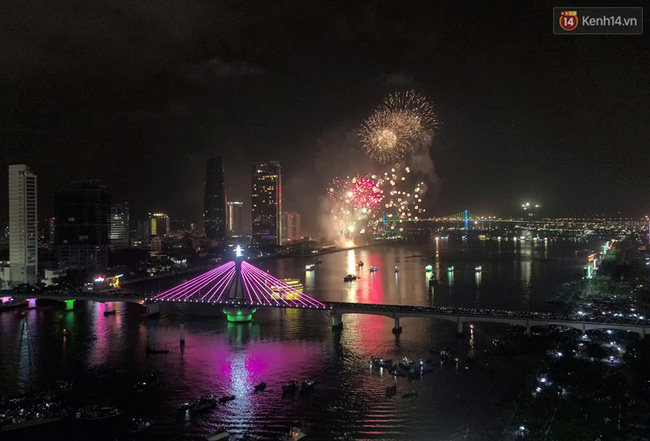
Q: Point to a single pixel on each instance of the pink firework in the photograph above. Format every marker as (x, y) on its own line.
(367, 193)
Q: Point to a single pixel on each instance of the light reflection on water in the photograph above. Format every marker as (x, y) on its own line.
(105, 355)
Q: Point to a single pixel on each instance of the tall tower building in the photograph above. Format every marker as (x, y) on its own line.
(214, 202)
(235, 224)
(23, 228)
(158, 224)
(118, 230)
(291, 225)
(267, 204)
(81, 225)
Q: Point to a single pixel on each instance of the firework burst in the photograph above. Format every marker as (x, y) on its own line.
(404, 121)
(366, 192)
(402, 198)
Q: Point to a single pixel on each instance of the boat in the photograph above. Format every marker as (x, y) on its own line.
(360, 263)
(149, 381)
(310, 267)
(294, 434)
(205, 402)
(319, 261)
(60, 388)
(428, 268)
(289, 289)
(450, 269)
(260, 387)
(154, 350)
(396, 269)
(66, 333)
(139, 425)
(373, 269)
(98, 412)
(379, 362)
(224, 434)
(405, 363)
(307, 385)
(226, 398)
(10, 422)
(349, 278)
(290, 386)
(107, 313)
(478, 268)
(413, 393)
(391, 390)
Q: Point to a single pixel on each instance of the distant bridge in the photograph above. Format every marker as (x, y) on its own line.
(466, 217)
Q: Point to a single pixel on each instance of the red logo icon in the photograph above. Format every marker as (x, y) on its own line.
(569, 20)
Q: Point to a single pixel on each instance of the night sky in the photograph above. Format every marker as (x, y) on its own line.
(141, 94)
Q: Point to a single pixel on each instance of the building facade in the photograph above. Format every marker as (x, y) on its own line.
(214, 200)
(81, 227)
(119, 235)
(235, 222)
(23, 226)
(291, 229)
(158, 224)
(267, 204)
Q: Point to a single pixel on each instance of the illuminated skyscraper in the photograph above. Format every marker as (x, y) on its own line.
(214, 202)
(235, 219)
(158, 225)
(23, 234)
(267, 204)
(119, 234)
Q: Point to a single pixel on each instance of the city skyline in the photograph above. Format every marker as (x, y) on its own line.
(518, 120)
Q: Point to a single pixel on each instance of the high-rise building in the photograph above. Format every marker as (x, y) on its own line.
(119, 234)
(81, 224)
(291, 225)
(214, 202)
(158, 224)
(23, 226)
(235, 222)
(267, 204)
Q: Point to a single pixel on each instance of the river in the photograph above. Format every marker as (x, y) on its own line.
(105, 356)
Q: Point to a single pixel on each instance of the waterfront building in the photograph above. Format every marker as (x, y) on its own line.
(23, 225)
(158, 224)
(266, 207)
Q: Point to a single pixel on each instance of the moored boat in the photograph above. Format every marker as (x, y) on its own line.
(291, 386)
(139, 425)
(260, 387)
(226, 398)
(42, 416)
(98, 412)
(307, 385)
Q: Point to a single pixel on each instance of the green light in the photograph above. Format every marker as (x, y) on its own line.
(69, 304)
(428, 268)
(239, 315)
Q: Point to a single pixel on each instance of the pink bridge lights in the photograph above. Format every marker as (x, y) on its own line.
(241, 287)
